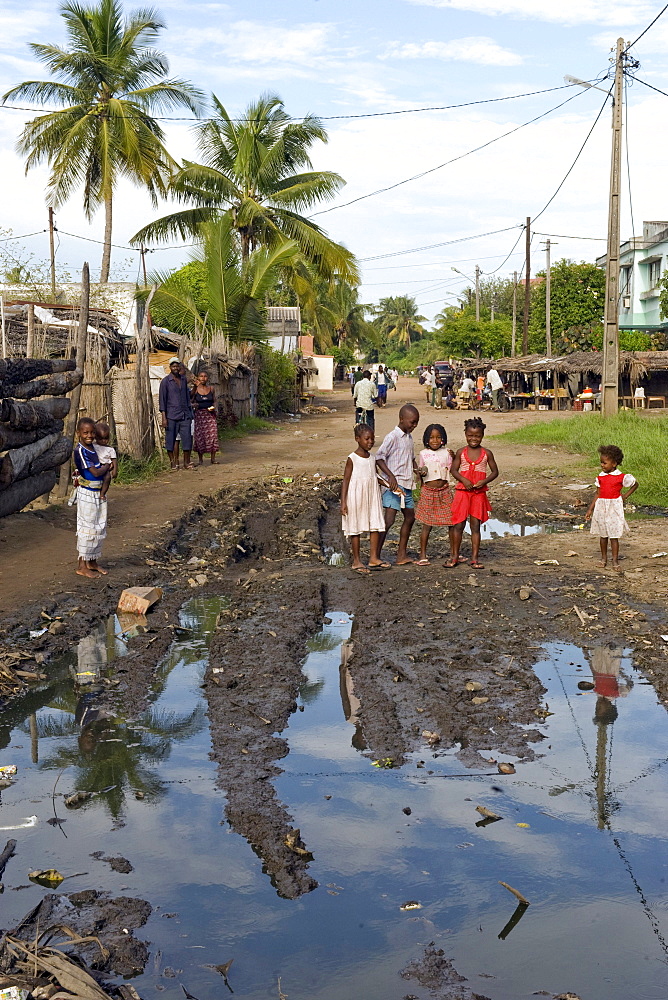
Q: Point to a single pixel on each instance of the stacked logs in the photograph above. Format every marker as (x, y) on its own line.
(32, 446)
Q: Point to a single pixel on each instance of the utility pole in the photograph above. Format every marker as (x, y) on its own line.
(53, 256)
(527, 290)
(548, 298)
(142, 253)
(477, 294)
(610, 379)
(513, 342)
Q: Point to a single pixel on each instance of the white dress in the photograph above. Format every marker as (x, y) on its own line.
(365, 509)
(608, 519)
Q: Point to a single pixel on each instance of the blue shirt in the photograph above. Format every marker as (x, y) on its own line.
(86, 459)
(174, 398)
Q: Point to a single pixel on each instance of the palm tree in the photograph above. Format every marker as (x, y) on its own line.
(331, 310)
(108, 84)
(228, 293)
(249, 169)
(398, 318)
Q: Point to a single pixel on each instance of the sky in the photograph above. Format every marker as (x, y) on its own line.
(369, 68)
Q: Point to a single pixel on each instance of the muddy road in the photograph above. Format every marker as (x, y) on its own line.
(352, 783)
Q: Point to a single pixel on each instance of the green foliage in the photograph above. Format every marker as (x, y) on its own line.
(224, 292)
(248, 167)
(423, 352)
(132, 471)
(397, 318)
(461, 336)
(107, 83)
(276, 386)
(641, 438)
(247, 425)
(343, 355)
(577, 301)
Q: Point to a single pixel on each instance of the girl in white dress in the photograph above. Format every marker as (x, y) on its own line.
(607, 508)
(361, 506)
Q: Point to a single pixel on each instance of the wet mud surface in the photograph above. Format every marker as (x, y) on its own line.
(440, 661)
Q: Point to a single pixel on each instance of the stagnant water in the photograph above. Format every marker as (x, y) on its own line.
(583, 836)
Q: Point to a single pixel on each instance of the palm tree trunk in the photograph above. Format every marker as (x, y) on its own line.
(106, 252)
(245, 243)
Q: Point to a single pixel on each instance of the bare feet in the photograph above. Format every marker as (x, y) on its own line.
(404, 562)
(617, 568)
(97, 569)
(84, 571)
(603, 564)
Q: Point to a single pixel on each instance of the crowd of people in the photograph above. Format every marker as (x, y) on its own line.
(451, 388)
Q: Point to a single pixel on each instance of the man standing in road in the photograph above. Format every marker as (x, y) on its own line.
(364, 395)
(428, 381)
(381, 384)
(176, 413)
(495, 384)
(396, 460)
(357, 375)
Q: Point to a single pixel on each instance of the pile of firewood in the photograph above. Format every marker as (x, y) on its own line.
(32, 445)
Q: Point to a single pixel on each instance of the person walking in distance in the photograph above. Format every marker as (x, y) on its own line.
(176, 413)
(364, 395)
(396, 460)
(495, 383)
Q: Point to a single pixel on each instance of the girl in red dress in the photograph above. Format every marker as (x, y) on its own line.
(473, 468)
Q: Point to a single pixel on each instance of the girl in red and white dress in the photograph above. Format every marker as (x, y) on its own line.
(607, 508)
(473, 468)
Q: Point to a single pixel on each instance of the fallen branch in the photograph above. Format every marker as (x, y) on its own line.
(516, 894)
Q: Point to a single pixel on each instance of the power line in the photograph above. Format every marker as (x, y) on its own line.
(577, 157)
(598, 239)
(8, 239)
(370, 114)
(628, 160)
(425, 173)
(651, 86)
(650, 25)
(435, 263)
(511, 252)
(435, 246)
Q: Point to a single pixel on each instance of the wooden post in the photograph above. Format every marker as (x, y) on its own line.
(52, 254)
(144, 401)
(73, 416)
(527, 290)
(513, 342)
(30, 341)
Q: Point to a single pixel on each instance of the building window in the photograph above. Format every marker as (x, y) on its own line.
(654, 273)
(625, 281)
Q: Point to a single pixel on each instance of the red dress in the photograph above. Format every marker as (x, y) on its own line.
(471, 503)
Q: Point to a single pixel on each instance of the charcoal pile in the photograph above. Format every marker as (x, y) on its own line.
(32, 445)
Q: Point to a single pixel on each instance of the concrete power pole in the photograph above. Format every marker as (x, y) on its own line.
(548, 302)
(513, 342)
(477, 294)
(52, 254)
(527, 290)
(610, 380)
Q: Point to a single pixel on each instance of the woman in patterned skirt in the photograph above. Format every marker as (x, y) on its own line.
(206, 424)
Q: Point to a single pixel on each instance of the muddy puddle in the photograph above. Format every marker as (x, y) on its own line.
(582, 835)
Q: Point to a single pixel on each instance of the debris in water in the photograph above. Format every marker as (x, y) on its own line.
(383, 762)
(138, 600)
(8, 770)
(224, 969)
(585, 685)
(49, 877)
(77, 799)
(518, 895)
(407, 810)
(25, 825)
(522, 826)
(295, 843)
(504, 768)
(412, 904)
(487, 813)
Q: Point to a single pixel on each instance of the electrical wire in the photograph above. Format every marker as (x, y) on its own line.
(511, 252)
(455, 159)
(8, 239)
(651, 86)
(578, 155)
(560, 236)
(650, 25)
(369, 114)
(435, 246)
(435, 263)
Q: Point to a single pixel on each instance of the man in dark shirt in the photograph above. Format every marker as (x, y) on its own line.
(177, 414)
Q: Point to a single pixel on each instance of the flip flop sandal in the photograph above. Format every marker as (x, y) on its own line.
(380, 567)
(477, 565)
(360, 569)
(423, 562)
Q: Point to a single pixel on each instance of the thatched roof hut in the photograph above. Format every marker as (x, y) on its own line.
(635, 364)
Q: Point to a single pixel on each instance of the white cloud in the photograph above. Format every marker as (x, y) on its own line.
(474, 49)
(261, 44)
(566, 12)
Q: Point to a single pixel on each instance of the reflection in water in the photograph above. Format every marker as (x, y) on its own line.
(349, 700)
(610, 683)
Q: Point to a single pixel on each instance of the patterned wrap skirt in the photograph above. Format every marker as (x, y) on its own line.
(434, 506)
(91, 523)
(470, 503)
(206, 432)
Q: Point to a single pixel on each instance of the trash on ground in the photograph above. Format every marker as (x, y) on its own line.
(132, 625)
(432, 737)
(474, 686)
(522, 826)
(137, 600)
(546, 562)
(412, 904)
(586, 685)
(8, 770)
(479, 700)
(504, 768)
(516, 893)
(13, 993)
(658, 555)
(337, 559)
(48, 877)
(524, 593)
(571, 553)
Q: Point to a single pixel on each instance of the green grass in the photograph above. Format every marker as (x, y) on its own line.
(642, 439)
(247, 425)
(131, 471)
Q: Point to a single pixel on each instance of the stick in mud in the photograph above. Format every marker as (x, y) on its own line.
(516, 893)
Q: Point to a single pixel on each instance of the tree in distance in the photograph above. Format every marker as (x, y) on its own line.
(397, 318)
(258, 169)
(108, 83)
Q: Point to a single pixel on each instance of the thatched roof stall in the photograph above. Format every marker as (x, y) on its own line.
(569, 373)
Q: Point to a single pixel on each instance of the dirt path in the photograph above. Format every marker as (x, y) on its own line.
(37, 548)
